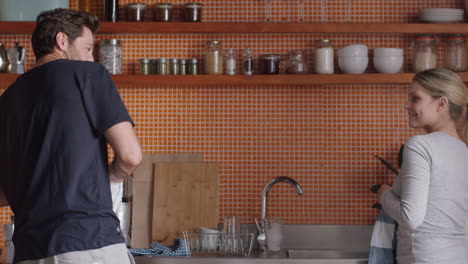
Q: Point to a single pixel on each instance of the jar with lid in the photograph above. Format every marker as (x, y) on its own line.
(323, 61)
(161, 66)
(136, 12)
(424, 53)
(153, 66)
(173, 66)
(182, 67)
(110, 55)
(213, 58)
(145, 66)
(456, 53)
(192, 12)
(247, 62)
(230, 62)
(269, 64)
(163, 12)
(297, 63)
(192, 66)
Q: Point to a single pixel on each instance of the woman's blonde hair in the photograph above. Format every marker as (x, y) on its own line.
(441, 82)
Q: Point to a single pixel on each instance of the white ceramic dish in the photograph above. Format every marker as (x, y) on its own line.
(353, 65)
(388, 64)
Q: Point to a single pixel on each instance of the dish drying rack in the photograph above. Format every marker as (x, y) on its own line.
(224, 244)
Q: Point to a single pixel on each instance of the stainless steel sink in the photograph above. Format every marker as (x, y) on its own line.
(328, 254)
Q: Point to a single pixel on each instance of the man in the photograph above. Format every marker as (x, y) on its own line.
(55, 123)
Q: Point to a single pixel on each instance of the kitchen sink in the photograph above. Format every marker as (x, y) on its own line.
(328, 254)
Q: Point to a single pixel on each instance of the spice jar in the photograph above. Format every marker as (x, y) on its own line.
(296, 63)
(192, 12)
(424, 53)
(247, 62)
(136, 12)
(161, 66)
(153, 66)
(173, 66)
(145, 66)
(269, 64)
(230, 62)
(213, 58)
(110, 55)
(193, 66)
(163, 12)
(324, 57)
(456, 53)
(182, 67)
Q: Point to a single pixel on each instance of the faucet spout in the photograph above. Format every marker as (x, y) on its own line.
(267, 188)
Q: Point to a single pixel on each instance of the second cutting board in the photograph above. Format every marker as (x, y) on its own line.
(185, 196)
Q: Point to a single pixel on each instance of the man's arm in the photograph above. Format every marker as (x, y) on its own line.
(123, 141)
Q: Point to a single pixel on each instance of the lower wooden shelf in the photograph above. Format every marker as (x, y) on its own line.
(245, 80)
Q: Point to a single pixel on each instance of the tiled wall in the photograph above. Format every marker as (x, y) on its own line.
(323, 136)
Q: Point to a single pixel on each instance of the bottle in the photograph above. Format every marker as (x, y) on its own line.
(247, 62)
(145, 66)
(324, 57)
(230, 62)
(161, 66)
(424, 53)
(173, 66)
(182, 67)
(111, 12)
(456, 53)
(193, 67)
(213, 58)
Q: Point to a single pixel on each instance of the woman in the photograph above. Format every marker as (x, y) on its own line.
(429, 198)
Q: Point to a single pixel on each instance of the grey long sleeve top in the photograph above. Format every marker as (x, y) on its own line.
(429, 200)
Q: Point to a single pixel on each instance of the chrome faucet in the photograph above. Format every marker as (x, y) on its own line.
(268, 187)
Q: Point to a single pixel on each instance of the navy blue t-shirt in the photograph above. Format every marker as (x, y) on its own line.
(53, 158)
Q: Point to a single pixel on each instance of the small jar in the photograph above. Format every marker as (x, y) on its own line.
(161, 66)
(323, 61)
(230, 62)
(269, 64)
(136, 12)
(110, 55)
(163, 12)
(213, 58)
(297, 63)
(192, 12)
(247, 62)
(173, 66)
(145, 67)
(182, 67)
(424, 53)
(193, 67)
(153, 66)
(456, 53)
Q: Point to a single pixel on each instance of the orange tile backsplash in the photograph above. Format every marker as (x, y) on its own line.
(325, 137)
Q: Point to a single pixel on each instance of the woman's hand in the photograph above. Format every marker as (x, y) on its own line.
(383, 188)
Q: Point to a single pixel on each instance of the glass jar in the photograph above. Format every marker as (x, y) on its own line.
(297, 63)
(182, 67)
(456, 53)
(110, 55)
(136, 12)
(323, 61)
(424, 53)
(269, 64)
(193, 66)
(163, 12)
(192, 12)
(153, 66)
(145, 67)
(247, 62)
(230, 62)
(213, 58)
(173, 66)
(161, 66)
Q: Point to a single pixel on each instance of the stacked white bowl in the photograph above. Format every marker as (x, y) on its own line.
(353, 59)
(388, 60)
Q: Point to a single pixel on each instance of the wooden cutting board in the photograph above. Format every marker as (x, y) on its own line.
(142, 201)
(185, 196)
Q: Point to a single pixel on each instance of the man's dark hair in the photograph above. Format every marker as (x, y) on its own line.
(50, 23)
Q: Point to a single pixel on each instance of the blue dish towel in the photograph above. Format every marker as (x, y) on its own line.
(384, 240)
(179, 248)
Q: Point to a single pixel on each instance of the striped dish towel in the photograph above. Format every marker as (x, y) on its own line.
(179, 248)
(383, 242)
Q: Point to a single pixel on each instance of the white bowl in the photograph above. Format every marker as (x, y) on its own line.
(388, 64)
(353, 65)
(357, 50)
(382, 52)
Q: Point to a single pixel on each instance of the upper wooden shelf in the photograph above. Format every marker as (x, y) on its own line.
(185, 27)
(257, 80)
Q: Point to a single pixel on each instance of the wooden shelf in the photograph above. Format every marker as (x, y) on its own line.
(13, 27)
(256, 80)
